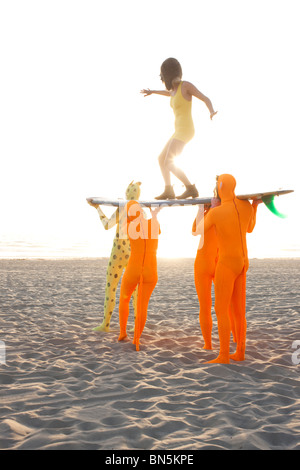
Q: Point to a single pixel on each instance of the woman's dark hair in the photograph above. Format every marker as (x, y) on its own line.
(169, 70)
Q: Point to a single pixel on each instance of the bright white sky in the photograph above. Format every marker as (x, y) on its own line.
(74, 124)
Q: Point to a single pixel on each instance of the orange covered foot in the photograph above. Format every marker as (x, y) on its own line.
(122, 336)
(221, 359)
(238, 356)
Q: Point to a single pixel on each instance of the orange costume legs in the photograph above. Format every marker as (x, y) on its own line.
(203, 284)
(230, 291)
(238, 307)
(128, 285)
(144, 294)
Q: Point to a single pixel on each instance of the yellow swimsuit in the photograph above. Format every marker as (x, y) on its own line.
(184, 126)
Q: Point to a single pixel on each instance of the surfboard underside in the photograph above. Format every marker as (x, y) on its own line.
(184, 202)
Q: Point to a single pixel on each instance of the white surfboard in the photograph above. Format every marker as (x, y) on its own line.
(184, 202)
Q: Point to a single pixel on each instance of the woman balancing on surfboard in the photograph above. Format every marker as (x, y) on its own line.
(181, 93)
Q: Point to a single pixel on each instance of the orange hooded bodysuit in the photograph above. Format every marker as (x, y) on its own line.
(232, 220)
(204, 272)
(141, 270)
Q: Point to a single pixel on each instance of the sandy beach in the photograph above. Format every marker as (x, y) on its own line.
(64, 386)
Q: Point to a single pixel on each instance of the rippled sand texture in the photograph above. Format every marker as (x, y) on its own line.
(65, 387)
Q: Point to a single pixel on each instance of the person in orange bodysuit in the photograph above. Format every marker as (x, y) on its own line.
(204, 271)
(232, 220)
(141, 270)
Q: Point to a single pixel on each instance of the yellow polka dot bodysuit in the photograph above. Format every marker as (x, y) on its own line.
(119, 258)
(184, 126)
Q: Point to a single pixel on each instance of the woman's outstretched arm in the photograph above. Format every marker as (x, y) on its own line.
(148, 92)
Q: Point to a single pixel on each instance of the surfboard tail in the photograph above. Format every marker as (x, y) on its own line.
(270, 204)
